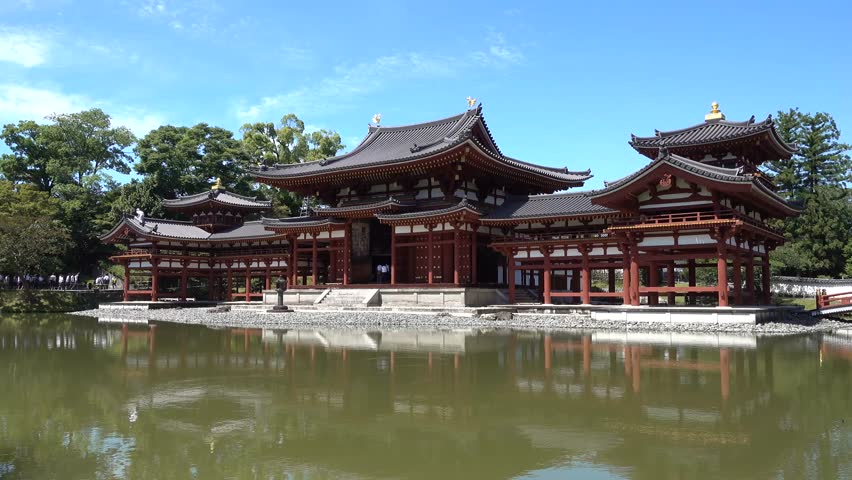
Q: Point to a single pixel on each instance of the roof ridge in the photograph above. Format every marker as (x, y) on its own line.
(743, 124)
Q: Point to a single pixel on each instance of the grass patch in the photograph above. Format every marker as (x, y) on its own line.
(806, 303)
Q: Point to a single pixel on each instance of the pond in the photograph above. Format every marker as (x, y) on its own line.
(82, 399)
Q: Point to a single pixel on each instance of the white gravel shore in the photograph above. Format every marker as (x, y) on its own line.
(355, 320)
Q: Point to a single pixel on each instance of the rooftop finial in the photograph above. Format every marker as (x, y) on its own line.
(715, 113)
(377, 119)
(217, 185)
(470, 102)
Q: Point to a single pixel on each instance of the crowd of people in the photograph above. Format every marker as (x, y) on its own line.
(53, 282)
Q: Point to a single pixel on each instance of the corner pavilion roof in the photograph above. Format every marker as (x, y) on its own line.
(713, 132)
(179, 230)
(217, 197)
(385, 146)
(736, 178)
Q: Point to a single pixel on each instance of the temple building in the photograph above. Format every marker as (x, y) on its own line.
(444, 208)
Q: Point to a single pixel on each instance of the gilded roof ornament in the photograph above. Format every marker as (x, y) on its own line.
(471, 102)
(715, 113)
(377, 119)
(217, 185)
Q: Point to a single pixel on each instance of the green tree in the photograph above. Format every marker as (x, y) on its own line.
(819, 238)
(32, 236)
(70, 158)
(187, 160)
(268, 144)
(136, 194)
(821, 159)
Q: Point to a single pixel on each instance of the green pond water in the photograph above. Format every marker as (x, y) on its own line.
(81, 399)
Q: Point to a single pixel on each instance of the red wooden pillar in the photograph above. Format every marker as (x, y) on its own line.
(738, 281)
(267, 284)
(184, 279)
(431, 262)
(155, 273)
(764, 279)
(625, 289)
(473, 265)
(456, 251)
(314, 259)
(248, 280)
(722, 274)
(654, 281)
(332, 260)
(211, 287)
(546, 280)
(670, 277)
(292, 264)
(586, 288)
(394, 256)
(690, 269)
(347, 251)
(752, 298)
(510, 274)
(229, 287)
(126, 282)
(634, 275)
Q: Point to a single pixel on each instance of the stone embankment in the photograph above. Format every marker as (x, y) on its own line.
(387, 320)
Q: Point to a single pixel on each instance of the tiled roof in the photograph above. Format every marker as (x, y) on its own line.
(179, 230)
(462, 206)
(546, 206)
(388, 203)
(299, 222)
(220, 196)
(720, 174)
(710, 132)
(390, 145)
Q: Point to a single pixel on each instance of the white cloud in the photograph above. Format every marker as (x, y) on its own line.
(19, 102)
(347, 82)
(25, 103)
(195, 16)
(25, 48)
(499, 52)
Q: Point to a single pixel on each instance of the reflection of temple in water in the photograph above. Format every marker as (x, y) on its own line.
(486, 404)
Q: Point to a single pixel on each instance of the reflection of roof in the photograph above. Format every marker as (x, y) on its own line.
(546, 206)
(711, 132)
(175, 229)
(217, 197)
(390, 145)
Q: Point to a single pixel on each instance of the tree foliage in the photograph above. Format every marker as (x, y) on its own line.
(821, 159)
(819, 238)
(32, 236)
(187, 160)
(268, 144)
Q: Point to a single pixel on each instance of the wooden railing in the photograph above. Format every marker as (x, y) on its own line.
(824, 301)
(675, 218)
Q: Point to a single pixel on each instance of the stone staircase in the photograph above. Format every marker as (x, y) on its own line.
(525, 296)
(346, 297)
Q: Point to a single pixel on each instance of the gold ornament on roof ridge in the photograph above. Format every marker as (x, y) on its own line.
(217, 185)
(715, 113)
(377, 119)
(471, 102)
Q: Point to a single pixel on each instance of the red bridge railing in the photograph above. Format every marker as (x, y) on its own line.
(824, 301)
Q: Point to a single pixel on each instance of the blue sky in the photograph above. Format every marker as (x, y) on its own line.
(561, 84)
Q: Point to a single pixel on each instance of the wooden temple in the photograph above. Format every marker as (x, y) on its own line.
(443, 206)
